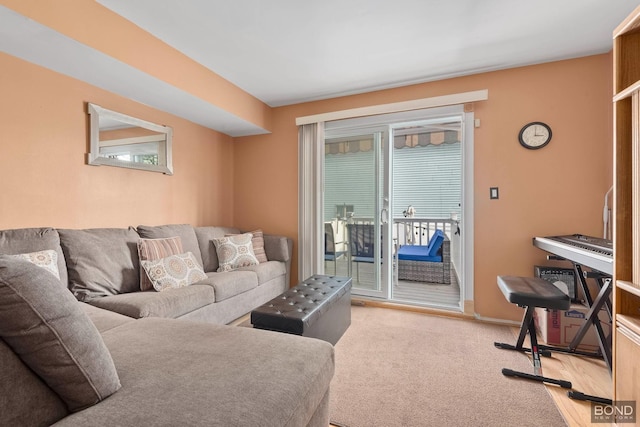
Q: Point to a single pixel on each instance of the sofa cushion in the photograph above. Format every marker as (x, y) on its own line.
(152, 249)
(172, 303)
(25, 400)
(185, 231)
(47, 259)
(205, 236)
(27, 240)
(174, 271)
(267, 270)
(233, 376)
(47, 328)
(235, 251)
(231, 283)
(102, 319)
(111, 270)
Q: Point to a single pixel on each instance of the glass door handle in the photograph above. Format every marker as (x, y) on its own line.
(384, 213)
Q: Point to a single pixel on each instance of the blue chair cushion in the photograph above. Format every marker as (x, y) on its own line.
(362, 259)
(435, 243)
(330, 256)
(417, 253)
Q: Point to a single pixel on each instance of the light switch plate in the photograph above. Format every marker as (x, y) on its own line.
(493, 193)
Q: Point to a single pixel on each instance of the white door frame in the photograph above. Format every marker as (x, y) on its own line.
(467, 224)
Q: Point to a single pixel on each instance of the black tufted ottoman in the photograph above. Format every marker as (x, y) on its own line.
(319, 307)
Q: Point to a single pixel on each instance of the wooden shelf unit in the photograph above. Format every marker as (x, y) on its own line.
(626, 235)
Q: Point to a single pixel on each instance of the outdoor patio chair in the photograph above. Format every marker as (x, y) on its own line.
(330, 252)
(361, 245)
(429, 263)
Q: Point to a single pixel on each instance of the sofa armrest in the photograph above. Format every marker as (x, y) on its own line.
(279, 248)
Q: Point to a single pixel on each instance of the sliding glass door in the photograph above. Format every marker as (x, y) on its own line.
(391, 184)
(427, 186)
(356, 208)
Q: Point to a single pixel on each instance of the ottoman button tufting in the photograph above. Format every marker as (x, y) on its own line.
(324, 311)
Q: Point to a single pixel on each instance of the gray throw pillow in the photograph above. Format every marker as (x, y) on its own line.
(101, 261)
(46, 327)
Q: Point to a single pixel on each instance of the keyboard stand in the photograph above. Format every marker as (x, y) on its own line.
(604, 342)
(595, 305)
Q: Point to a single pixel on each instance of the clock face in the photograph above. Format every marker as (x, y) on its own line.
(535, 135)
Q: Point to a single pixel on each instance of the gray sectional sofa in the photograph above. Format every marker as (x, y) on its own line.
(104, 271)
(176, 361)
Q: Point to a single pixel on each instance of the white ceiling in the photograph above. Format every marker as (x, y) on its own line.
(291, 51)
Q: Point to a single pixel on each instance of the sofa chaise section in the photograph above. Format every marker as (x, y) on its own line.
(190, 373)
(185, 373)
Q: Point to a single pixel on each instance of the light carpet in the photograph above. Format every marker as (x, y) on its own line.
(399, 368)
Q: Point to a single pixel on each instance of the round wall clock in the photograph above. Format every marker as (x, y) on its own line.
(535, 135)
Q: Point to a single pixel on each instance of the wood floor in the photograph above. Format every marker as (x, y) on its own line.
(587, 375)
(433, 295)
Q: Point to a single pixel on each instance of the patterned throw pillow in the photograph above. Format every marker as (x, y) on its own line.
(257, 242)
(153, 249)
(45, 259)
(174, 271)
(235, 251)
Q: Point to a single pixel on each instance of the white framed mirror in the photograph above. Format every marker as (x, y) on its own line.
(124, 141)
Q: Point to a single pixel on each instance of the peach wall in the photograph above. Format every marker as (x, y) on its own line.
(556, 190)
(94, 25)
(45, 180)
(252, 182)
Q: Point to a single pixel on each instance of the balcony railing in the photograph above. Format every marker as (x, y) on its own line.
(408, 231)
(418, 231)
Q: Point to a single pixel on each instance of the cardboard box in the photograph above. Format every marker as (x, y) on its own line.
(559, 327)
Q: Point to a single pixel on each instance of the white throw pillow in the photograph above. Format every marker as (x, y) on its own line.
(47, 259)
(174, 271)
(257, 243)
(235, 251)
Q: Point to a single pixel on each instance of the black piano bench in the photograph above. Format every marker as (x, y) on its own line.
(529, 293)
